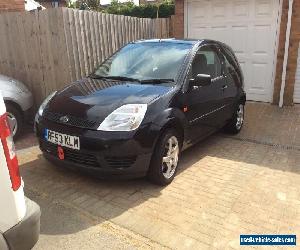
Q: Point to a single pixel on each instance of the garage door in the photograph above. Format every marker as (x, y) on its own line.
(297, 81)
(249, 27)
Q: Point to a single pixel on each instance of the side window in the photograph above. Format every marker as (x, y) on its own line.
(207, 61)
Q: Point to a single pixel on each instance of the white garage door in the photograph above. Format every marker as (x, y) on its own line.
(297, 81)
(249, 27)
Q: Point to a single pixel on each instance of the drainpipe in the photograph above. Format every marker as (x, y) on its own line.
(286, 52)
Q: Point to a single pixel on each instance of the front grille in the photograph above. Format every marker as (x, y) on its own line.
(71, 155)
(120, 162)
(73, 121)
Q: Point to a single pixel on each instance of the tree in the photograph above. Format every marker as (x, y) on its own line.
(86, 5)
(165, 8)
(93, 4)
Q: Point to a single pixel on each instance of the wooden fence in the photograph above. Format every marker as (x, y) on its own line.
(48, 49)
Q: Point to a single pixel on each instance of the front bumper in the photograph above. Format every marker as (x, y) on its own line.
(25, 234)
(104, 154)
(138, 169)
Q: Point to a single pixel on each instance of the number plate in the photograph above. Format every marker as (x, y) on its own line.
(63, 140)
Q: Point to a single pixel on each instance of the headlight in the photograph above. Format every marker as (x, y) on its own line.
(126, 118)
(45, 102)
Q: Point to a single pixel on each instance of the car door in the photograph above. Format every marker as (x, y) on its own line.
(204, 103)
(233, 81)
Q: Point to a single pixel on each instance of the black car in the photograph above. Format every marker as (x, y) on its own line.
(146, 103)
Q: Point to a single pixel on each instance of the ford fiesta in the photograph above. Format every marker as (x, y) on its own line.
(150, 100)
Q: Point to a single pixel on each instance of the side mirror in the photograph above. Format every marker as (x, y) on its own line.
(201, 80)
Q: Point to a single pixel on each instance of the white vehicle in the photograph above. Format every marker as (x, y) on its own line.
(19, 216)
(18, 100)
(31, 5)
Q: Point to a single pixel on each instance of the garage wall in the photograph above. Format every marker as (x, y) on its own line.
(12, 5)
(297, 81)
(293, 54)
(179, 19)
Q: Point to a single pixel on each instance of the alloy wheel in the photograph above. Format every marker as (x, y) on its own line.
(240, 117)
(13, 123)
(170, 158)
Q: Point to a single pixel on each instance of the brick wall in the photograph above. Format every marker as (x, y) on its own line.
(179, 19)
(293, 54)
(12, 5)
(293, 48)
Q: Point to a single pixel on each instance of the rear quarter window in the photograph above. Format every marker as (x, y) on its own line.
(231, 63)
(231, 60)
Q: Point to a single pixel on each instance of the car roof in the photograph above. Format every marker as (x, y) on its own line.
(180, 41)
(169, 40)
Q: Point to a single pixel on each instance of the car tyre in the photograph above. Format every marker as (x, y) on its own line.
(236, 123)
(15, 120)
(164, 162)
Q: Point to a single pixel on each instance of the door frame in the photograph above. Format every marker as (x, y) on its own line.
(276, 47)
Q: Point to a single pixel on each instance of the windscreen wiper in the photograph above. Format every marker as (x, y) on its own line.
(158, 80)
(121, 78)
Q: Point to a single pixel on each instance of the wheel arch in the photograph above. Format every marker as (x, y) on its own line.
(174, 124)
(243, 99)
(14, 104)
(171, 118)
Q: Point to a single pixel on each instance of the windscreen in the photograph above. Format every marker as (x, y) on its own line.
(157, 60)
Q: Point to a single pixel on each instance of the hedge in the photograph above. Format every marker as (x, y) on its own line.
(166, 8)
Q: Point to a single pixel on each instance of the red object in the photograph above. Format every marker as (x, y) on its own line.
(61, 153)
(10, 154)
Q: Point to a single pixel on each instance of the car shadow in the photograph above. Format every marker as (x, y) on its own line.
(27, 138)
(71, 201)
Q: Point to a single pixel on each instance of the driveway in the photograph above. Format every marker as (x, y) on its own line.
(225, 186)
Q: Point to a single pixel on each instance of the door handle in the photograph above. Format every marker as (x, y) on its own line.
(224, 87)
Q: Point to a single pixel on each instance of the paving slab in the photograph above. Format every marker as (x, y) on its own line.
(225, 186)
